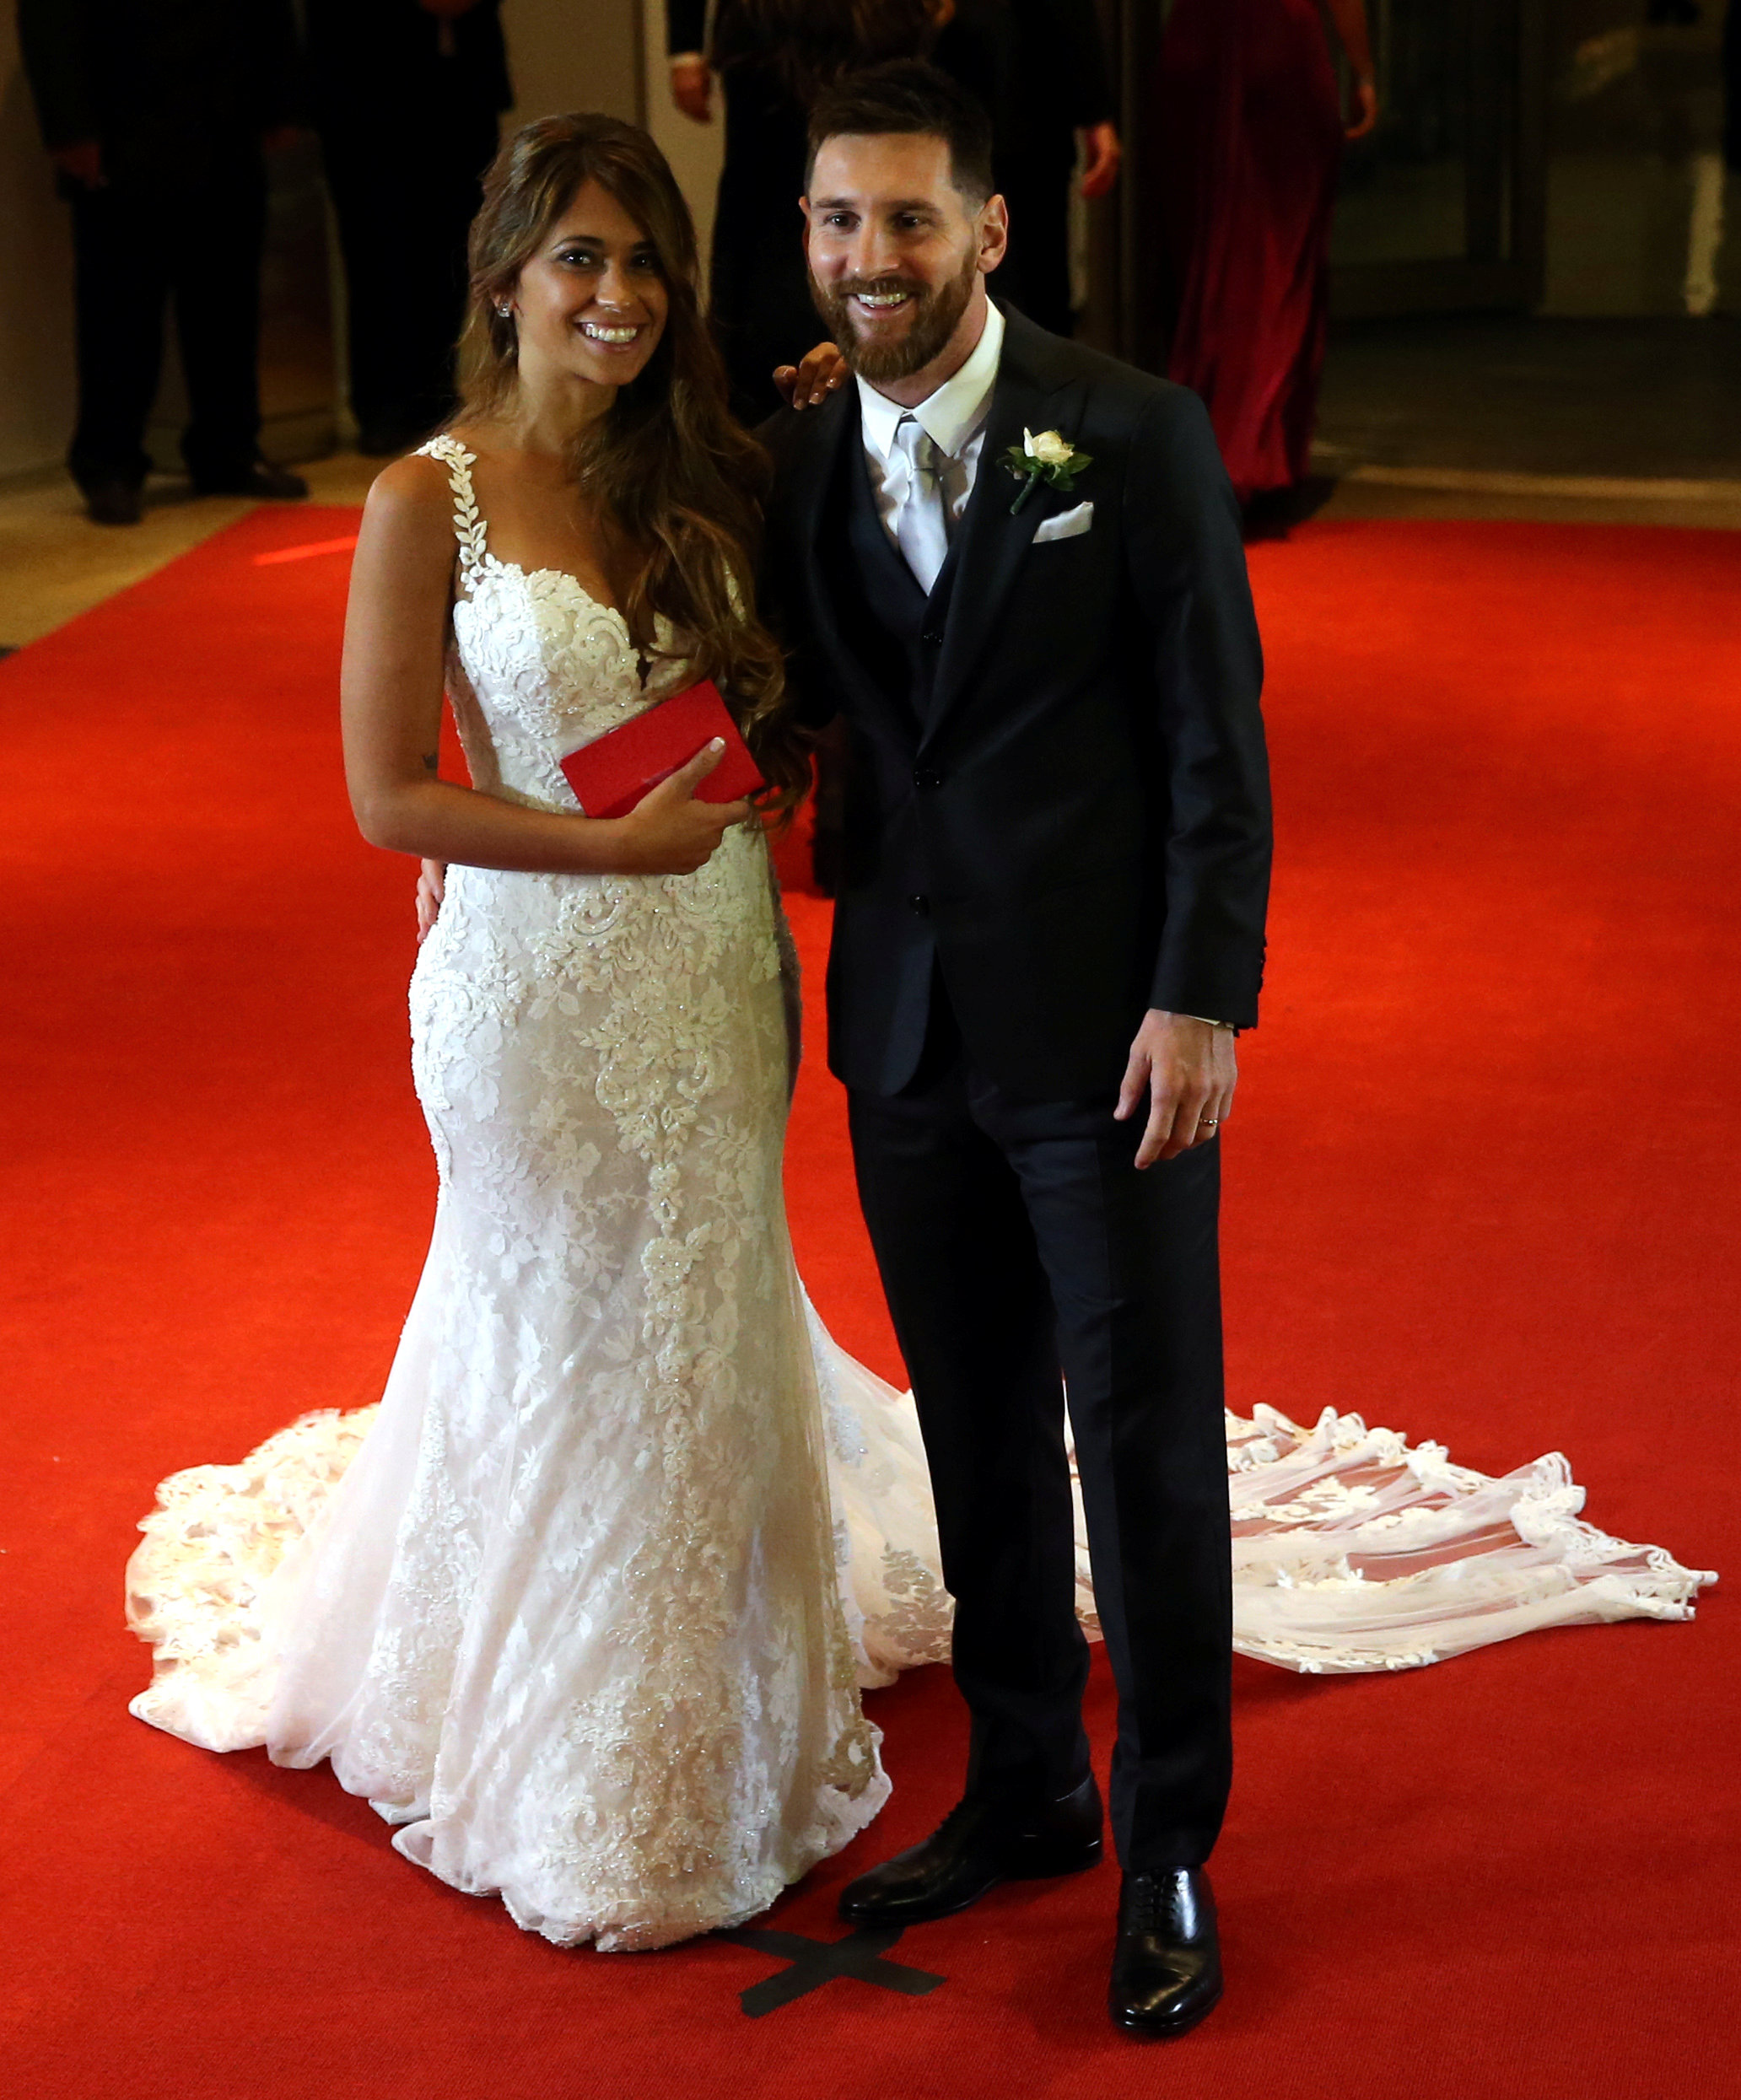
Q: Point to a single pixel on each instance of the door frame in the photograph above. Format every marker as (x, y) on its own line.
(1505, 194)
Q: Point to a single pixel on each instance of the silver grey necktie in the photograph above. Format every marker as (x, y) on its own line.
(921, 523)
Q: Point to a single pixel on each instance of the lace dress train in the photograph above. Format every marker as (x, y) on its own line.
(1353, 1552)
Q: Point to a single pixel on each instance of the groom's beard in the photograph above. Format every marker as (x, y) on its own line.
(934, 315)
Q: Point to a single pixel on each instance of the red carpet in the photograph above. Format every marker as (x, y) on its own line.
(1483, 1187)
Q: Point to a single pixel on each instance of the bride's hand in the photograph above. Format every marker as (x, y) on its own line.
(432, 888)
(809, 385)
(668, 832)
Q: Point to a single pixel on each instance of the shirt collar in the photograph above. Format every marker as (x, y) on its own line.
(949, 416)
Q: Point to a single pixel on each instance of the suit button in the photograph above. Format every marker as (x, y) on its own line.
(926, 777)
(920, 905)
(932, 637)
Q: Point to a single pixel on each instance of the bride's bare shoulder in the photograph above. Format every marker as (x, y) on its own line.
(413, 482)
(411, 506)
(408, 530)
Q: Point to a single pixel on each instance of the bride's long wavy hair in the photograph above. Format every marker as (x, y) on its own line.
(670, 472)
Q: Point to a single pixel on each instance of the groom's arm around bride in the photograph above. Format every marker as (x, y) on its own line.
(1013, 566)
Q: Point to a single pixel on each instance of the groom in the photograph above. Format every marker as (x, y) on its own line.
(1014, 568)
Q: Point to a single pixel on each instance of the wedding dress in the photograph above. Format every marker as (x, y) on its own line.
(581, 1604)
(571, 1617)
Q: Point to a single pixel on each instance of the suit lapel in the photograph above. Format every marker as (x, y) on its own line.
(1027, 396)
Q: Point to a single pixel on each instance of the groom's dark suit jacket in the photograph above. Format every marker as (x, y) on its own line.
(1056, 792)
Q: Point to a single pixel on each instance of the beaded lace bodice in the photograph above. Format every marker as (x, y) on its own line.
(538, 667)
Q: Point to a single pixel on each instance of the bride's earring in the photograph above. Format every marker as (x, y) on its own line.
(505, 311)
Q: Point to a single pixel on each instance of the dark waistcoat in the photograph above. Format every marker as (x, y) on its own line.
(897, 634)
(880, 599)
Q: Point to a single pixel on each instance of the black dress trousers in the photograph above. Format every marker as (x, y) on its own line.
(1022, 1254)
(139, 246)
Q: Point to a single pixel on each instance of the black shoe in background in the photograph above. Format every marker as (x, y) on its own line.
(1166, 1970)
(977, 1844)
(112, 502)
(263, 480)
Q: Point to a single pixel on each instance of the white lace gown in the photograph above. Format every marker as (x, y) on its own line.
(581, 1605)
(572, 1619)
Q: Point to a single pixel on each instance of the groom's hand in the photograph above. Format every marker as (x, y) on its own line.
(691, 86)
(808, 384)
(1187, 1070)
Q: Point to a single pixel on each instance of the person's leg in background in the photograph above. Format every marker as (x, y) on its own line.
(404, 204)
(220, 237)
(119, 284)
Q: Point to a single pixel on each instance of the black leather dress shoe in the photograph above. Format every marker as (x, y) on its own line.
(1167, 1973)
(112, 502)
(977, 1844)
(265, 482)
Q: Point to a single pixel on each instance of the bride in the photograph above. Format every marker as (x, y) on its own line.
(583, 1605)
(572, 1621)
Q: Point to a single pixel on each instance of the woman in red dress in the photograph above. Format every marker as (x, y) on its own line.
(1249, 128)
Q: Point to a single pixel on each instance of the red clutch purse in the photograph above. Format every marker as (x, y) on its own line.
(610, 775)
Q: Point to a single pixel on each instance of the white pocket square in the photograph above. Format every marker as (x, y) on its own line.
(1066, 525)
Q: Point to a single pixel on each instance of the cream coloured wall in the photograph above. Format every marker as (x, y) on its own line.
(574, 55)
(35, 283)
(694, 150)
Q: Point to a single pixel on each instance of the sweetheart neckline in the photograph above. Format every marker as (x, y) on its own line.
(563, 575)
(442, 446)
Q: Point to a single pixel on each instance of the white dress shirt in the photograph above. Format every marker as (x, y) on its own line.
(953, 418)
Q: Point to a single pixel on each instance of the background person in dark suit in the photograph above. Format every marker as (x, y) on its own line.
(1050, 921)
(1039, 68)
(774, 57)
(154, 113)
(408, 96)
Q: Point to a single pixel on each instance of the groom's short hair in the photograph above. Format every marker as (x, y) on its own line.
(907, 97)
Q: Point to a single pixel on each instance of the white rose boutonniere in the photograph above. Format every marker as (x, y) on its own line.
(1049, 457)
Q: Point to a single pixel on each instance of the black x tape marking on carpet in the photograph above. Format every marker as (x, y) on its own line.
(815, 1962)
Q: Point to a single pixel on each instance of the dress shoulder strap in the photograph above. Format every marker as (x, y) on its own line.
(468, 525)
